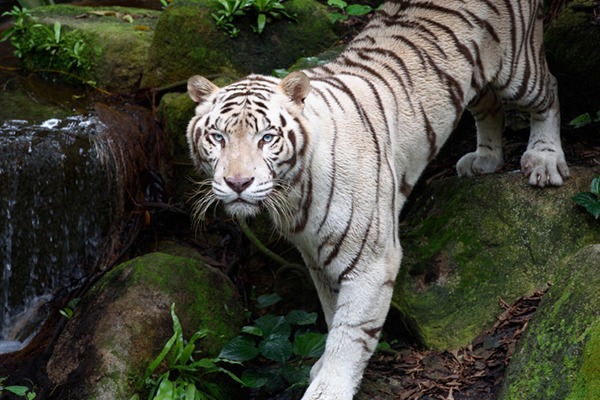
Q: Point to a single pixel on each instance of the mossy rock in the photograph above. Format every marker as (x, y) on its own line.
(175, 111)
(469, 242)
(124, 322)
(187, 42)
(105, 46)
(572, 41)
(558, 356)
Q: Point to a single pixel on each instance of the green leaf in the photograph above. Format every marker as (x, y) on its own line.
(590, 201)
(341, 4)
(337, 17)
(280, 73)
(595, 186)
(205, 363)
(273, 325)
(358, 9)
(57, 27)
(252, 330)
(18, 390)
(178, 334)
(267, 300)
(581, 120)
(239, 349)
(253, 379)
(66, 312)
(276, 348)
(296, 375)
(190, 391)
(301, 317)
(166, 391)
(310, 345)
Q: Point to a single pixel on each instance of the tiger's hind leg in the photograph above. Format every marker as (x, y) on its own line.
(544, 161)
(488, 111)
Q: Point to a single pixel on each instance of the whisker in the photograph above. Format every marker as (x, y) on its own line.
(202, 198)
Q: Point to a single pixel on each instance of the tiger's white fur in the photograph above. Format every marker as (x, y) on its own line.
(333, 152)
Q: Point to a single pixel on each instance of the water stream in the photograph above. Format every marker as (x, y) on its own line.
(54, 211)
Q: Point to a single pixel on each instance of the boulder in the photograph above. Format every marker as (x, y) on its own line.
(572, 41)
(558, 356)
(470, 242)
(104, 46)
(124, 322)
(187, 42)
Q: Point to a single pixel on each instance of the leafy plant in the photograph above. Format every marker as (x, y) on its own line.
(57, 50)
(590, 200)
(35, 3)
(228, 11)
(185, 376)
(20, 16)
(276, 355)
(22, 391)
(346, 10)
(68, 311)
(265, 11)
(584, 119)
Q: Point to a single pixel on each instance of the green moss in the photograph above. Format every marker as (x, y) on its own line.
(556, 358)
(587, 386)
(175, 111)
(472, 241)
(194, 288)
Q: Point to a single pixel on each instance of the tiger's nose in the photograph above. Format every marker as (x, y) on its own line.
(238, 184)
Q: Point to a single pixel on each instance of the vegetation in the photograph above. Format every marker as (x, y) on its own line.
(63, 52)
(278, 351)
(185, 377)
(68, 311)
(277, 356)
(590, 200)
(584, 119)
(265, 11)
(22, 391)
(346, 10)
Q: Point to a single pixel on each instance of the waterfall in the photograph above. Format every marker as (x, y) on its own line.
(55, 209)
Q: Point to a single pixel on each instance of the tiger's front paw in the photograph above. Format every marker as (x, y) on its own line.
(477, 163)
(545, 167)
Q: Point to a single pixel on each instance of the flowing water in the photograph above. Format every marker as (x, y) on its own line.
(54, 207)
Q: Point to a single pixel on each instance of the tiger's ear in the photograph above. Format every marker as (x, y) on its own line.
(296, 86)
(199, 88)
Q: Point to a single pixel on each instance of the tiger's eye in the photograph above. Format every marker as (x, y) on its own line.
(267, 138)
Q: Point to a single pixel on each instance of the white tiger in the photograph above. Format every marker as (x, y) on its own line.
(333, 152)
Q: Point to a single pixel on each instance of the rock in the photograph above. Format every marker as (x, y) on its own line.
(175, 112)
(107, 46)
(469, 242)
(558, 356)
(572, 41)
(187, 42)
(124, 321)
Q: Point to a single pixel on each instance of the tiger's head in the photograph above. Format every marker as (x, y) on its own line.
(250, 138)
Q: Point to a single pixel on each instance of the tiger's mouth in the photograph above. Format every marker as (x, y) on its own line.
(242, 208)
